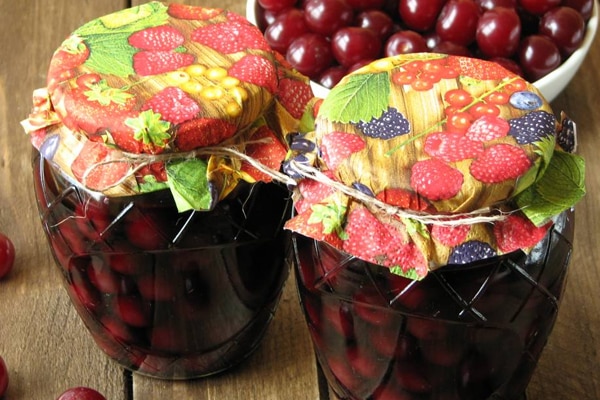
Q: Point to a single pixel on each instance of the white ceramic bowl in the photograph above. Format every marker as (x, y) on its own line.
(550, 85)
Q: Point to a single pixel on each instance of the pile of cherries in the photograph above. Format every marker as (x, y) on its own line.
(326, 39)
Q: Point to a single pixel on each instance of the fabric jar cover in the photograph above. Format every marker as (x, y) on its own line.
(167, 96)
(417, 161)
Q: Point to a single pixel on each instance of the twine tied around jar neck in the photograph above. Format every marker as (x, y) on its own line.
(482, 215)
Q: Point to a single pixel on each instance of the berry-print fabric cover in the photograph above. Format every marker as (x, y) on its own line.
(419, 161)
(159, 96)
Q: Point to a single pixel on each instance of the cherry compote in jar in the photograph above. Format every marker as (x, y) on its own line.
(156, 178)
(433, 230)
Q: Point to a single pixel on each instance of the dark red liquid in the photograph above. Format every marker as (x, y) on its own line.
(464, 332)
(171, 295)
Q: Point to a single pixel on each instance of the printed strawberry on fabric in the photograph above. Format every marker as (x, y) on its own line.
(417, 175)
(161, 90)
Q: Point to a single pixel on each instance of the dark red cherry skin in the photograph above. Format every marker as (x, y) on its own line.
(3, 378)
(487, 29)
(377, 21)
(7, 255)
(286, 27)
(486, 5)
(498, 32)
(276, 5)
(352, 44)
(565, 26)
(538, 7)
(310, 54)
(264, 18)
(81, 393)
(584, 7)
(366, 4)
(457, 22)
(538, 56)
(405, 42)
(327, 16)
(331, 76)
(420, 15)
(432, 39)
(452, 49)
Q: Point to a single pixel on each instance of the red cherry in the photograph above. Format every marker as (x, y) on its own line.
(565, 26)
(497, 98)
(538, 55)
(457, 22)
(81, 393)
(145, 234)
(584, 7)
(458, 97)
(327, 16)
(481, 109)
(331, 76)
(7, 255)
(285, 28)
(405, 42)
(452, 49)
(3, 377)
(352, 44)
(132, 310)
(101, 276)
(376, 20)
(418, 14)
(516, 85)
(310, 54)
(486, 5)
(459, 122)
(498, 32)
(366, 4)
(538, 7)
(276, 5)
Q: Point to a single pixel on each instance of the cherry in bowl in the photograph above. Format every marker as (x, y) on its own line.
(498, 30)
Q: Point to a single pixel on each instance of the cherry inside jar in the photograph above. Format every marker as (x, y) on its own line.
(471, 331)
(167, 294)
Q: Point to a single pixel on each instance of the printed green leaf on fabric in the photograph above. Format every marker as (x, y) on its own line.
(151, 184)
(331, 216)
(409, 274)
(149, 128)
(561, 187)
(361, 98)
(127, 21)
(110, 55)
(107, 38)
(189, 184)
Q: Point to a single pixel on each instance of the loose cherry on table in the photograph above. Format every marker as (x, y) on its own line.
(3, 378)
(81, 393)
(7, 255)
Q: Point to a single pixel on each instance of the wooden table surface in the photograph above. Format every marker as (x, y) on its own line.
(46, 346)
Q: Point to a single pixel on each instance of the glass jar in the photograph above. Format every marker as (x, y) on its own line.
(156, 170)
(167, 294)
(471, 331)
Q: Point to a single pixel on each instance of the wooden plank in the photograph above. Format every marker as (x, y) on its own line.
(568, 368)
(47, 348)
(42, 340)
